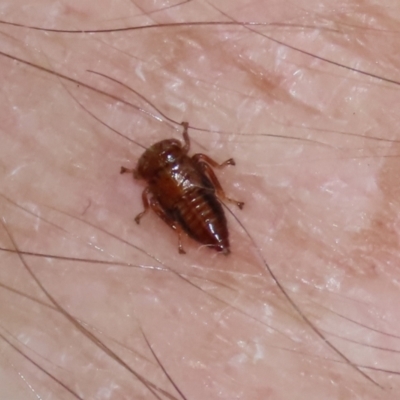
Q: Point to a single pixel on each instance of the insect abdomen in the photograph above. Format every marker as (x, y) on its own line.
(201, 216)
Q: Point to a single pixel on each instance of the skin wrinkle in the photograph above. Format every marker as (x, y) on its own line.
(329, 226)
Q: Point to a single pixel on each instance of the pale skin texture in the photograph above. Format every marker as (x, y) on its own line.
(325, 216)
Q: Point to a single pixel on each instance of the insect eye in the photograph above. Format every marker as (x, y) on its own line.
(170, 158)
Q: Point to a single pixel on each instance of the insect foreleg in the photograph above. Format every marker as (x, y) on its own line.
(146, 204)
(186, 137)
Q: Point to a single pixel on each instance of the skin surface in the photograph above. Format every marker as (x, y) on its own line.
(321, 203)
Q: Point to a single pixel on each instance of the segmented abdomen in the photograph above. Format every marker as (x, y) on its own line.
(201, 216)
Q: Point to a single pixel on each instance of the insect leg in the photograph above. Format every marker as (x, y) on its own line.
(125, 170)
(199, 157)
(130, 171)
(186, 138)
(156, 207)
(213, 178)
(146, 204)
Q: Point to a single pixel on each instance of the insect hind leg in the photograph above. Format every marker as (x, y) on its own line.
(152, 203)
(205, 163)
(156, 207)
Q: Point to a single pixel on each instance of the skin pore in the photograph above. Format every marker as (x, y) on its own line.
(316, 154)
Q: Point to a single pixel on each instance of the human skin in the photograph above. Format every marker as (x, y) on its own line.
(320, 199)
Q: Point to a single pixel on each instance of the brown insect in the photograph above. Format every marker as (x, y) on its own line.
(184, 191)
